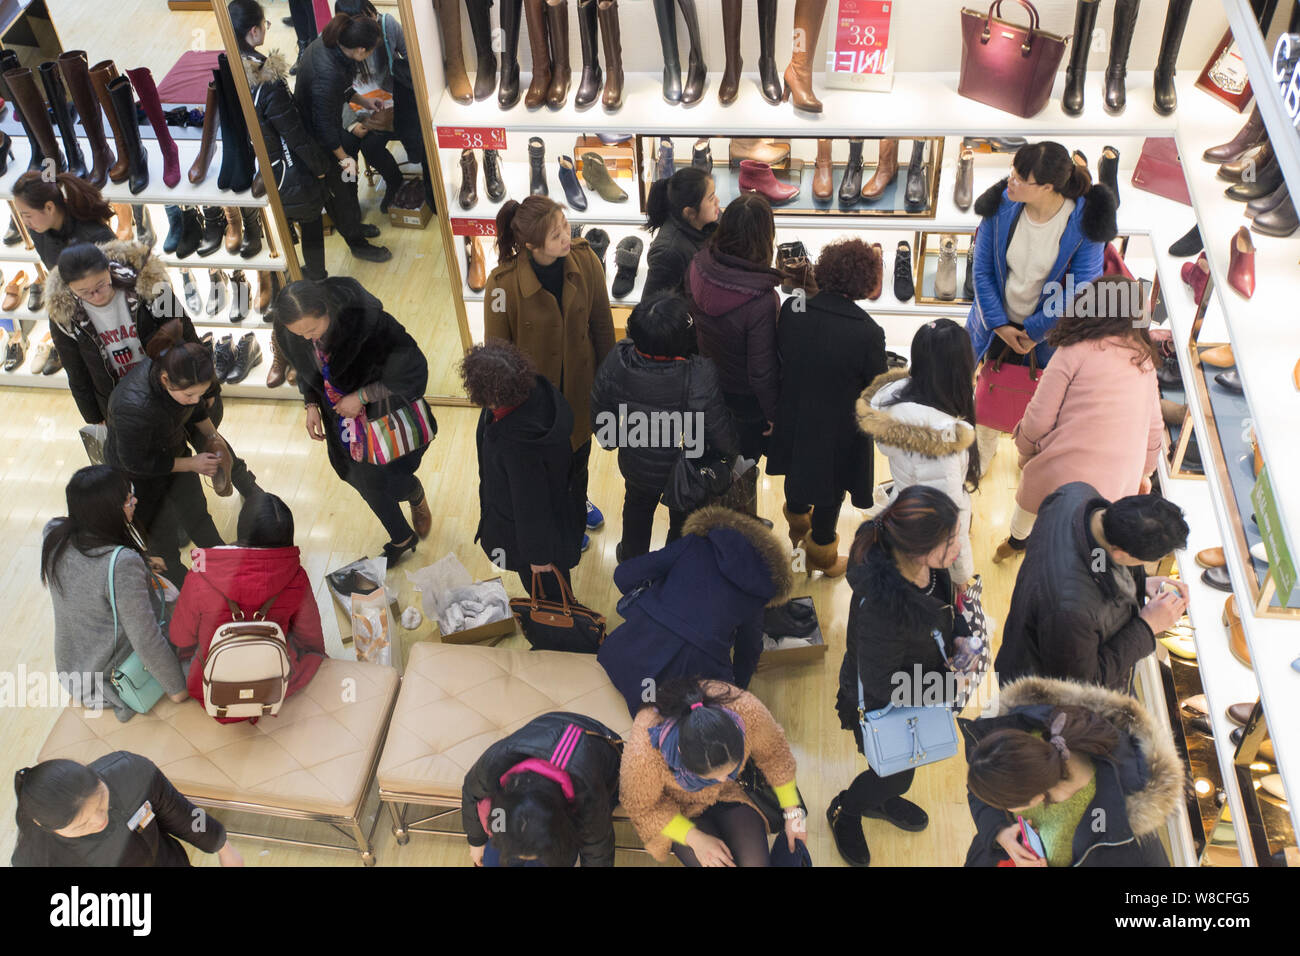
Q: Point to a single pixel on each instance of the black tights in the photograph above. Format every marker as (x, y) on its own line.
(740, 827)
(869, 790)
(825, 517)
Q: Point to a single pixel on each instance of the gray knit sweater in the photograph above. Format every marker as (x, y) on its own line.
(83, 624)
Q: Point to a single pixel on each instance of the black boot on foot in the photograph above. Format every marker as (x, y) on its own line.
(846, 828)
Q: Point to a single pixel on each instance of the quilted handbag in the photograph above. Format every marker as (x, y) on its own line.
(895, 739)
(138, 688)
(1002, 392)
(563, 625)
(1007, 65)
(1160, 171)
(400, 432)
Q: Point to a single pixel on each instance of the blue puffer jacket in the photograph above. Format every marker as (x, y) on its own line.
(1090, 227)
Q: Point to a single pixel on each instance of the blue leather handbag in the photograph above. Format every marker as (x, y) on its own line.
(903, 738)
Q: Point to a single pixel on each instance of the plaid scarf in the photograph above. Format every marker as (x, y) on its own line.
(352, 431)
(665, 738)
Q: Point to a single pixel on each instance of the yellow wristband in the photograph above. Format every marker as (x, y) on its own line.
(787, 794)
(677, 829)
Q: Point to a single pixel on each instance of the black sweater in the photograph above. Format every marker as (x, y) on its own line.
(146, 426)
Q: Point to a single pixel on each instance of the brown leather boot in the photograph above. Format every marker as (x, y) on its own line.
(31, 104)
(276, 376)
(557, 29)
(76, 77)
(221, 480)
(825, 558)
(265, 287)
(823, 181)
(199, 171)
(234, 229)
(100, 75)
(886, 170)
(874, 294)
(476, 272)
(759, 150)
(808, 16)
(730, 85)
(1005, 552)
(421, 516)
(453, 57)
(540, 45)
(125, 220)
(800, 525)
(612, 42)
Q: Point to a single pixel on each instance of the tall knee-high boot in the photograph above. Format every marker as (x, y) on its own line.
(557, 29)
(58, 100)
(119, 89)
(76, 76)
(1121, 38)
(142, 80)
(199, 171)
(1085, 18)
(730, 84)
(539, 43)
(808, 17)
(589, 37)
(508, 87)
(666, 20)
(612, 42)
(101, 74)
(769, 80)
(480, 27)
(9, 61)
(36, 118)
(236, 171)
(697, 72)
(1166, 97)
(453, 57)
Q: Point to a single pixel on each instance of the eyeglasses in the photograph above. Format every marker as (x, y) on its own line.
(1015, 179)
(96, 292)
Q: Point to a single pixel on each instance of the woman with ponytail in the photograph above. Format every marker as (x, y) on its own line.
(72, 814)
(547, 296)
(1044, 230)
(1086, 768)
(77, 557)
(61, 213)
(682, 211)
(678, 780)
(902, 597)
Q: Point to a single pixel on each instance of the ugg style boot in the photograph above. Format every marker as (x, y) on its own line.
(808, 16)
(800, 525)
(825, 558)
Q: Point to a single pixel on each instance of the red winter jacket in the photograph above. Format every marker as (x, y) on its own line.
(248, 576)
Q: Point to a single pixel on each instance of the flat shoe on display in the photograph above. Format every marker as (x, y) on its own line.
(1241, 264)
(1217, 578)
(15, 352)
(904, 288)
(1183, 647)
(1231, 381)
(627, 259)
(12, 235)
(1220, 357)
(1240, 713)
(1259, 552)
(1211, 558)
(1190, 244)
(903, 814)
(569, 183)
(596, 175)
(53, 363)
(1236, 633)
(851, 183)
(15, 291)
(1197, 705)
(756, 177)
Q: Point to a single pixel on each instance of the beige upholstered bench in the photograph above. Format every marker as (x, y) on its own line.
(314, 761)
(458, 700)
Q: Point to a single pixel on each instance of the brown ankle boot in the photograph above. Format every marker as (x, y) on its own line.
(825, 557)
(800, 525)
(1005, 552)
(886, 170)
(234, 229)
(823, 181)
(808, 16)
(421, 516)
(125, 220)
(275, 377)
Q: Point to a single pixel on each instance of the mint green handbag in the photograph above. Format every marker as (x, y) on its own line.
(138, 688)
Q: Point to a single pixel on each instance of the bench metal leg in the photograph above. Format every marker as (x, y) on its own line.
(398, 812)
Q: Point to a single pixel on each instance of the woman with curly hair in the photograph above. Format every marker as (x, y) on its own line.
(1096, 414)
(829, 350)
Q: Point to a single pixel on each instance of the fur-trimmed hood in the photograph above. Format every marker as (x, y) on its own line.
(1096, 210)
(131, 266)
(889, 595)
(909, 425)
(272, 69)
(1166, 777)
(775, 555)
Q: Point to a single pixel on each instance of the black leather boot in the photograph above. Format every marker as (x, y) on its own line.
(508, 88)
(903, 286)
(702, 156)
(1085, 18)
(191, 233)
(240, 296)
(1108, 171)
(1166, 97)
(769, 78)
(536, 167)
(666, 19)
(57, 96)
(697, 73)
(851, 184)
(214, 230)
(1121, 37)
(247, 356)
(496, 187)
(252, 241)
(589, 38)
(468, 195)
(569, 183)
(915, 193)
(480, 25)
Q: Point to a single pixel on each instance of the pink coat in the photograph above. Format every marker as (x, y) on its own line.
(1096, 418)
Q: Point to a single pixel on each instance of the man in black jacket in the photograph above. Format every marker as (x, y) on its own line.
(1083, 607)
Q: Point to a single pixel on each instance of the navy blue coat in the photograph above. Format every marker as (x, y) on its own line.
(705, 599)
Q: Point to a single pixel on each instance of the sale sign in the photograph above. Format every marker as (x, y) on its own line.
(473, 227)
(859, 57)
(471, 137)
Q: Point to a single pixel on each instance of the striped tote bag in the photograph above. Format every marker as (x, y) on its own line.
(400, 432)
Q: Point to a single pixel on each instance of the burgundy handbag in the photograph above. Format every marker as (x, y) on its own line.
(1002, 392)
(1006, 65)
(1160, 171)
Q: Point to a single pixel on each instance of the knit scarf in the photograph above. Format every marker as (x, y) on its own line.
(352, 431)
(665, 738)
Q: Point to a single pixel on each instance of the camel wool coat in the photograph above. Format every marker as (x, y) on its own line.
(650, 794)
(566, 348)
(1094, 418)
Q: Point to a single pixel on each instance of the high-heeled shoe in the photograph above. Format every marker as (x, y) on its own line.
(1196, 275)
(6, 151)
(851, 183)
(393, 553)
(1241, 264)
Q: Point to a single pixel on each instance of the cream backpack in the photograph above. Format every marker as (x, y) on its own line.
(246, 671)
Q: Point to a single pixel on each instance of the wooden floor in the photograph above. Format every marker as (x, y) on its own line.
(39, 450)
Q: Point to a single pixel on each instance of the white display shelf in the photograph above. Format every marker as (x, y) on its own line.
(919, 104)
(221, 259)
(205, 193)
(18, 253)
(1178, 827)
(516, 177)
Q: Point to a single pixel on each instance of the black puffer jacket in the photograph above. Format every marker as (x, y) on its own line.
(324, 84)
(630, 382)
(529, 513)
(670, 255)
(51, 243)
(297, 160)
(146, 426)
(1139, 784)
(592, 765)
(1070, 617)
(889, 633)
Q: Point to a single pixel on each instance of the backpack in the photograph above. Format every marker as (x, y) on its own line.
(246, 671)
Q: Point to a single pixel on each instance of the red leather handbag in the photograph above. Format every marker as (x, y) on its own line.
(1160, 171)
(1002, 392)
(1006, 65)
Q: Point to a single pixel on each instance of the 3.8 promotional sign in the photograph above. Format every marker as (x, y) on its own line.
(860, 57)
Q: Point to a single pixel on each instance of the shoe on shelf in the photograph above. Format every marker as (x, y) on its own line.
(627, 258)
(12, 236)
(1236, 634)
(1189, 244)
(596, 175)
(36, 297)
(904, 288)
(191, 292)
(1240, 713)
(53, 363)
(1217, 578)
(1241, 264)
(1211, 558)
(248, 355)
(903, 814)
(1173, 413)
(15, 352)
(594, 518)
(223, 357)
(218, 297)
(175, 223)
(1220, 357)
(240, 297)
(1259, 552)
(846, 828)
(15, 291)
(1196, 276)
(1230, 380)
(756, 177)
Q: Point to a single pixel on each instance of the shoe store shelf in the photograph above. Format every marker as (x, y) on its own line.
(1273, 643)
(185, 193)
(254, 386)
(229, 261)
(516, 177)
(1258, 57)
(18, 253)
(919, 105)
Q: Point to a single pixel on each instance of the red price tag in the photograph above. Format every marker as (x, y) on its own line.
(473, 227)
(861, 37)
(471, 137)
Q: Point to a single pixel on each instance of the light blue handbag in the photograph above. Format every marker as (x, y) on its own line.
(903, 738)
(138, 688)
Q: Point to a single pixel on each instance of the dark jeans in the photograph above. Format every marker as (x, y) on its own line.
(341, 203)
(639, 504)
(750, 423)
(869, 790)
(166, 505)
(578, 471)
(304, 21)
(739, 826)
(374, 146)
(312, 243)
(825, 517)
(546, 583)
(384, 488)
